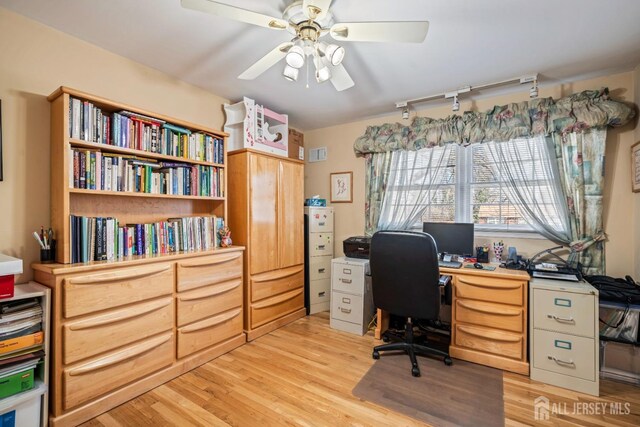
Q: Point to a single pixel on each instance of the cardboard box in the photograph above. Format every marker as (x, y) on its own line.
(9, 267)
(296, 144)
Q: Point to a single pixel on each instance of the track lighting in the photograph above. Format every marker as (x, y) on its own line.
(290, 73)
(533, 92)
(405, 113)
(295, 57)
(456, 104)
(334, 53)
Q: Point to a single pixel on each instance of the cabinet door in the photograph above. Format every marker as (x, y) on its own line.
(291, 214)
(263, 239)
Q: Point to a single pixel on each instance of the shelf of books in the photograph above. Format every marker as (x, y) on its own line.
(24, 356)
(127, 182)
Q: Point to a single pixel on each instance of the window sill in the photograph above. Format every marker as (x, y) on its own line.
(509, 234)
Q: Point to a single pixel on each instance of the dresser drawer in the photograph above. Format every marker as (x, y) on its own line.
(97, 334)
(319, 267)
(209, 270)
(275, 307)
(319, 291)
(275, 282)
(500, 316)
(89, 293)
(208, 332)
(320, 220)
(564, 312)
(490, 289)
(84, 382)
(320, 244)
(564, 354)
(205, 302)
(501, 343)
(347, 308)
(347, 278)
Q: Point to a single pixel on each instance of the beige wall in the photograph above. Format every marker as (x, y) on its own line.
(349, 217)
(636, 196)
(34, 61)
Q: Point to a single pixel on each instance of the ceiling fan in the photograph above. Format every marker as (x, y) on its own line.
(309, 21)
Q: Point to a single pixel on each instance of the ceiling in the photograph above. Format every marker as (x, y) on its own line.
(469, 43)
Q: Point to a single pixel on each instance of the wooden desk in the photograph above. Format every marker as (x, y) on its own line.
(488, 317)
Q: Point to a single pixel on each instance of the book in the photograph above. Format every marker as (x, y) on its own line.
(15, 344)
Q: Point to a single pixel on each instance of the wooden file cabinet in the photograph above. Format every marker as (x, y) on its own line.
(564, 335)
(351, 298)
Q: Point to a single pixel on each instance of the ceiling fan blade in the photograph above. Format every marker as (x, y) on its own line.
(235, 13)
(340, 79)
(315, 9)
(407, 32)
(266, 62)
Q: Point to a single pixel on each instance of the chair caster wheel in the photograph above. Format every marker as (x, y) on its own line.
(385, 338)
(376, 355)
(415, 371)
(448, 361)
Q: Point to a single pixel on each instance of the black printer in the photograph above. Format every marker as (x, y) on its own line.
(357, 247)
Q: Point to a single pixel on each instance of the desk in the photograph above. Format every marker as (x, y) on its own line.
(488, 317)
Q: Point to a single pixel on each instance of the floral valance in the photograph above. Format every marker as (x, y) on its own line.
(543, 116)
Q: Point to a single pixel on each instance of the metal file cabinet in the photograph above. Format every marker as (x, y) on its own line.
(351, 298)
(318, 254)
(564, 334)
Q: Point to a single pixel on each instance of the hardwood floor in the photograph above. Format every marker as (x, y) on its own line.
(303, 374)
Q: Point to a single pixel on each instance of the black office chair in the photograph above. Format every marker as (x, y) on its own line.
(405, 282)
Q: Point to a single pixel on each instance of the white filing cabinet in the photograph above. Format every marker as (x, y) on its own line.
(319, 250)
(351, 298)
(564, 334)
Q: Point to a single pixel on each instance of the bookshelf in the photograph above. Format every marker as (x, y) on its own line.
(128, 207)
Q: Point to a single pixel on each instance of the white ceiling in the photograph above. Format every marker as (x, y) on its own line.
(469, 43)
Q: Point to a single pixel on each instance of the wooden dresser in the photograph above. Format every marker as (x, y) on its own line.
(266, 215)
(488, 317)
(121, 329)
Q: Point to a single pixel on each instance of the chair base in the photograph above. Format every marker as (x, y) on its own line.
(410, 348)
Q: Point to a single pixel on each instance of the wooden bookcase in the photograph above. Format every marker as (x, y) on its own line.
(127, 207)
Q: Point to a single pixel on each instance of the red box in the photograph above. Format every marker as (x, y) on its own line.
(6, 286)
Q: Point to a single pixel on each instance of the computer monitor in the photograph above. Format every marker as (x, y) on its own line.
(451, 238)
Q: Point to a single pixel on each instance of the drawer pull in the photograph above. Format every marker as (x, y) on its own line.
(346, 270)
(321, 224)
(120, 315)
(345, 280)
(120, 276)
(321, 294)
(208, 293)
(562, 362)
(220, 259)
(562, 302)
(321, 247)
(561, 319)
(344, 310)
(211, 322)
(321, 270)
(346, 300)
(120, 356)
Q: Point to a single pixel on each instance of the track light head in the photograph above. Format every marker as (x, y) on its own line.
(533, 92)
(405, 113)
(456, 104)
(295, 57)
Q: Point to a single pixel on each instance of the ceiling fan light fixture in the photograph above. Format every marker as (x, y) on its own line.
(335, 54)
(290, 73)
(323, 74)
(295, 57)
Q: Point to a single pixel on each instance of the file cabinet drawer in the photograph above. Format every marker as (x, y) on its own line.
(319, 267)
(275, 282)
(564, 354)
(564, 312)
(275, 307)
(205, 333)
(490, 289)
(347, 278)
(320, 244)
(84, 382)
(319, 291)
(209, 270)
(500, 316)
(97, 334)
(205, 302)
(500, 343)
(89, 293)
(347, 307)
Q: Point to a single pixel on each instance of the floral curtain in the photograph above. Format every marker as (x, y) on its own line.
(376, 178)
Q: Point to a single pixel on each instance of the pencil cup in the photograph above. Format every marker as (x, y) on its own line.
(48, 255)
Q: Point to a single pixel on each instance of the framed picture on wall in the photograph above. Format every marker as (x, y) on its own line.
(635, 167)
(341, 187)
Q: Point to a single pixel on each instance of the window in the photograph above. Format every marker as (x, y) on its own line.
(467, 184)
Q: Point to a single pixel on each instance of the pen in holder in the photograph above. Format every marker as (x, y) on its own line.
(48, 254)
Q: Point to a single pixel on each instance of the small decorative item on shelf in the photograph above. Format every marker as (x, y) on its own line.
(225, 237)
(498, 247)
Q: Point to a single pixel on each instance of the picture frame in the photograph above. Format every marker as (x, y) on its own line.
(341, 187)
(635, 167)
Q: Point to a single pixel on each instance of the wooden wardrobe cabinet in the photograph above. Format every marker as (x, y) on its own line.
(266, 215)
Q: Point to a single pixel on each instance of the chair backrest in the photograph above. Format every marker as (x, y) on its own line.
(405, 274)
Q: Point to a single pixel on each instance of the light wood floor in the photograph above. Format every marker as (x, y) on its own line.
(303, 374)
